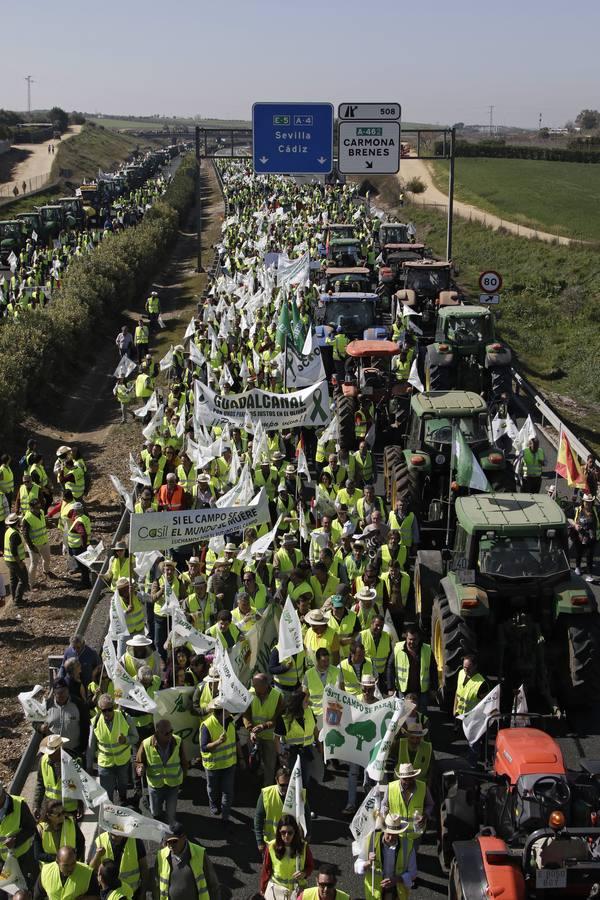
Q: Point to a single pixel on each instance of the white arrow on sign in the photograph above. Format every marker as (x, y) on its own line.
(322, 159)
(264, 159)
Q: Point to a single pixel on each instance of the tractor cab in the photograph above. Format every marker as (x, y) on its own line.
(340, 231)
(466, 354)
(344, 253)
(12, 237)
(426, 285)
(74, 212)
(31, 222)
(396, 233)
(53, 219)
(354, 313)
(355, 280)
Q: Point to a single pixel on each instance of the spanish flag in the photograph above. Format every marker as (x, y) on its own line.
(568, 464)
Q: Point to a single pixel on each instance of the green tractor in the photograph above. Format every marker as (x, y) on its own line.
(32, 222)
(12, 238)
(419, 472)
(466, 354)
(53, 220)
(74, 211)
(506, 591)
(427, 285)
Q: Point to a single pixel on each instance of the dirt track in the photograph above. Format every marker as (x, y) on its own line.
(38, 161)
(417, 168)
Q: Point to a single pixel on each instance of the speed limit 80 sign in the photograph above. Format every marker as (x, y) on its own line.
(490, 282)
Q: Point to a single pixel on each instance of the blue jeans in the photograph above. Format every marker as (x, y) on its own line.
(164, 798)
(115, 778)
(219, 785)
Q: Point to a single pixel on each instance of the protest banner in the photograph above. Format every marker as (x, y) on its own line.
(164, 530)
(124, 821)
(175, 704)
(76, 784)
(300, 370)
(307, 408)
(352, 730)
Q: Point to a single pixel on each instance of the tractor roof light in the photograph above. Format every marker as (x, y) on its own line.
(496, 458)
(444, 348)
(579, 601)
(497, 347)
(556, 820)
(417, 460)
(471, 603)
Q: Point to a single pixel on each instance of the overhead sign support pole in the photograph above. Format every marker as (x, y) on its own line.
(450, 195)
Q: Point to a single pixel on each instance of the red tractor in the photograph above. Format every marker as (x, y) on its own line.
(513, 825)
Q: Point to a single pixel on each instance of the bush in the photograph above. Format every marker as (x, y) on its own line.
(498, 149)
(415, 186)
(42, 345)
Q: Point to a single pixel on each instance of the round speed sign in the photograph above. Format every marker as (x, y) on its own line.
(490, 282)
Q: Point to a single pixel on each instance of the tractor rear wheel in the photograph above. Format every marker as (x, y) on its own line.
(406, 483)
(455, 891)
(451, 638)
(445, 851)
(391, 455)
(501, 382)
(584, 660)
(438, 378)
(345, 408)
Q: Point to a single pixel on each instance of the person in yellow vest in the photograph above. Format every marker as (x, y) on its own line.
(260, 718)
(111, 739)
(225, 631)
(471, 687)
(532, 463)
(320, 634)
(287, 862)
(412, 668)
(402, 519)
(134, 609)
(129, 857)
(393, 549)
(14, 557)
(48, 778)
(199, 606)
(340, 342)
(316, 678)
(349, 495)
(412, 748)
(398, 587)
(269, 808)
(161, 758)
(288, 556)
(368, 694)
(378, 647)
(326, 888)
(123, 393)
(204, 693)
(17, 831)
(153, 309)
(355, 667)
(56, 829)
(244, 615)
(110, 884)
(27, 490)
(296, 733)
(140, 338)
(183, 869)
(7, 478)
(79, 532)
(410, 798)
(366, 467)
(344, 621)
(390, 868)
(288, 671)
(219, 748)
(66, 879)
(143, 386)
(121, 565)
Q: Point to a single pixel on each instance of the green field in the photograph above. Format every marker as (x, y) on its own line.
(558, 197)
(159, 124)
(92, 149)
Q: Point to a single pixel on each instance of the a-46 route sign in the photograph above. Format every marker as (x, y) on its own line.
(292, 138)
(490, 282)
(369, 147)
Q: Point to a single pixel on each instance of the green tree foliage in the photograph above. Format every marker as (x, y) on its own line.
(588, 119)
(59, 118)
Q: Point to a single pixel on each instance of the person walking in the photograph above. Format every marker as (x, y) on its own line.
(141, 338)
(183, 869)
(111, 737)
(162, 759)
(124, 342)
(586, 528)
(533, 464)
(35, 532)
(260, 718)
(218, 746)
(390, 869)
(14, 557)
(326, 888)
(287, 862)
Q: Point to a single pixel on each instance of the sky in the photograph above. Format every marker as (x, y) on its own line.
(444, 62)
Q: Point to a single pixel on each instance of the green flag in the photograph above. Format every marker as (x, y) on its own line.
(284, 327)
(297, 327)
(468, 471)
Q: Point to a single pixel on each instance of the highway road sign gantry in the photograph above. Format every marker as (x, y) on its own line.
(365, 147)
(292, 138)
(369, 112)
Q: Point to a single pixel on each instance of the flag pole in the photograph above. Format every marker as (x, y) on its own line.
(560, 437)
(450, 483)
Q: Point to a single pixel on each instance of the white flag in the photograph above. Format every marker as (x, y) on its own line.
(124, 821)
(303, 527)
(171, 604)
(261, 544)
(154, 423)
(302, 464)
(364, 822)
(167, 361)
(12, 261)
(244, 372)
(136, 474)
(526, 434)
(235, 697)
(381, 750)
(11, 876)
(293, 804)
(183, 632)
(109, 657)
(161, 321)
(234, 466)
(475, 722)
(190, 330)
(414, 377)
(91, 555)
(180, 427)
(125, 368)
(308, 347)
(503, 426)
(117, 623)
(78, 785)
(129, 692)
(34, 236)
(151, 405)
(144, 561)
(34, 709)
(290, 631)
(124, 494)
(196, 357)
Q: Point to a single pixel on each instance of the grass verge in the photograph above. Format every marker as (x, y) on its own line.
(558, 197)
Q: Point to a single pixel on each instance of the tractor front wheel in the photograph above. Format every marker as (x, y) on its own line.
(345, 408)
(451, 638)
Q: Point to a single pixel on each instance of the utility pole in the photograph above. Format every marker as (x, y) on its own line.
(491, 120)
(540, 123)
(29, 81)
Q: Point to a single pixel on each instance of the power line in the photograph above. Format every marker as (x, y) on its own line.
(491, 109)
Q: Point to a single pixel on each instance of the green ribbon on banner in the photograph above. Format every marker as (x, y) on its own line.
(318, 407)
